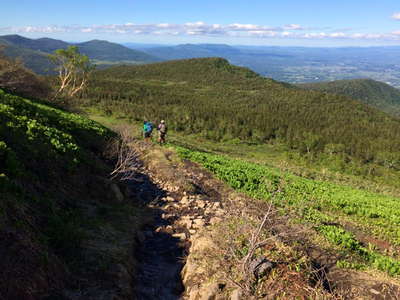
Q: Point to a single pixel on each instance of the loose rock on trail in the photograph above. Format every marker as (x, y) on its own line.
(164, 244)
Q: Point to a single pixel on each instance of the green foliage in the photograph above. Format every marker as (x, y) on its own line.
(211, 98)
(73, 70)
(374, 93)
(39, 145)
(43, 126)
(316, 202)
(347, 241)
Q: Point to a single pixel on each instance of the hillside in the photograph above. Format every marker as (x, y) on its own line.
(14, 77)
(214, 99)
(371, 92)
(34, 60)
(57, 203)
(33, 52)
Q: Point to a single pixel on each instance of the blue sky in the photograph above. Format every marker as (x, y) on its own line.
(257, 22)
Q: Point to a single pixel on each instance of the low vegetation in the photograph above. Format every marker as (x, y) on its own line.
(58, 209)
(328, 207)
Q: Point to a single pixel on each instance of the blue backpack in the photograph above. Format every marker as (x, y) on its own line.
(148, 127)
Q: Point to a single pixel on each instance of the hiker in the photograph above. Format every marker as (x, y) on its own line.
(162, 131)
(147, 130)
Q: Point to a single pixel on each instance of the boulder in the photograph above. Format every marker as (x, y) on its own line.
(261, 266)
(237, 294)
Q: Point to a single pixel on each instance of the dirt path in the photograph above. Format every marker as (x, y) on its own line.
(160, 255)
(178, 213)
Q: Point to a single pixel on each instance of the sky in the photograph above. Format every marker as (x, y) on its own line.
(236, 22)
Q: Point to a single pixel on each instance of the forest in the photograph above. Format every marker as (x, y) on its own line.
(219, 101)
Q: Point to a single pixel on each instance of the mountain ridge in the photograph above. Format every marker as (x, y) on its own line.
(34, 52)
(375, 93)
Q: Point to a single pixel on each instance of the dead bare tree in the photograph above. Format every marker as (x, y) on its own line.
(254, 242)
(127, 157)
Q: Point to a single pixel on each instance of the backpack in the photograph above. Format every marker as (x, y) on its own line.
(162, 128)
(148, 127)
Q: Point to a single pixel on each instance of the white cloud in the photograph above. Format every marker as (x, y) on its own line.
(293, 27)
(337, 35)
(199, 28)
(396, 16)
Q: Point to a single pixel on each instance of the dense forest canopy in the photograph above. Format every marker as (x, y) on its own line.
(374, 93)
(210, 97)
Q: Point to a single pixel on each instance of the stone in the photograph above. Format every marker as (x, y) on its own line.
(217, 205)
(237, 294)
(373, 291)
(198, 223)
(169, 199)
(201, 204)
(261, 266)
(192, 231)
(117, 193)
(201, 244)
(215, 220)
(193, 295)
(185, 199)
(219, 213)
(181, 236)
(186, 223)
(210, 292)
(165, 216)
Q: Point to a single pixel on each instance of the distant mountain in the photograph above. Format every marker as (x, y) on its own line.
(106, 51)
(374, 93)
(141, 46)
(44, 44)
(193, 51)
(34, 60)
(33, 52)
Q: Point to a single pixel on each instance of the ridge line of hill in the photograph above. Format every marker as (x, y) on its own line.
(34, 52)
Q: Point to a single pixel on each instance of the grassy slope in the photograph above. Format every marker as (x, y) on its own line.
(374, 93)
(57, 210)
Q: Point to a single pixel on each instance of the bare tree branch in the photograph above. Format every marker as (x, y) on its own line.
(127, 158)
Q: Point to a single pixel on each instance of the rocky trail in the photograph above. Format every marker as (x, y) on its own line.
(177, 216)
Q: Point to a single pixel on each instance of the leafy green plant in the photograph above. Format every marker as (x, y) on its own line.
(317, 202)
